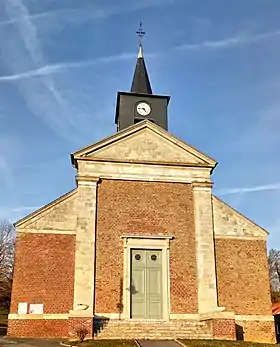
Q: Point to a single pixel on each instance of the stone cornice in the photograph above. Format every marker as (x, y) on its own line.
(202, 184)
(87, 179)
(142, 162)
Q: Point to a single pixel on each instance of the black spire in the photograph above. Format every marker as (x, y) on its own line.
(141, 82)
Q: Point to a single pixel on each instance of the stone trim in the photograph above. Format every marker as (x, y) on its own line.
(80, 314)
(108, 315)
(38, 316)
(146, 243)
(220, 313)
(205, 255)
(233, 237)
(154, 237)
(84, 282)
(46, 231)
(198, 185)
(260, 318)
(147, 162)
(87, 180)
(142, 172)
(184, 316)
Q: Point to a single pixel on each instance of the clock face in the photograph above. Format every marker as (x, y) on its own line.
(143, 109)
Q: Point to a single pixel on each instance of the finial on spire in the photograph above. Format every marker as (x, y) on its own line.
(140, 32)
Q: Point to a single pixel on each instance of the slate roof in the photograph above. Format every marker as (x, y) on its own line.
(141, 82)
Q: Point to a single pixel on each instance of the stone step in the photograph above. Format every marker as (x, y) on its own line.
(123, 329)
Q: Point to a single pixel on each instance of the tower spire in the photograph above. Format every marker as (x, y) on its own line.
(141, 82)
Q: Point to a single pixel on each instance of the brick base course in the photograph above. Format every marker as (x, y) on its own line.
(48, 328)
(223, 329)
(256, 331)
(77, 325)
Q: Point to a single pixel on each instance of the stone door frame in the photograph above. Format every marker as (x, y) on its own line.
(146, 242)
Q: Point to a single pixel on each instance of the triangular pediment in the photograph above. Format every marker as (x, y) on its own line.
(53, 215)
(230, 223)
(145, 142)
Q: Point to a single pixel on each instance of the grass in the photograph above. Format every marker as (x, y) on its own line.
(187, 343)
(222, 343)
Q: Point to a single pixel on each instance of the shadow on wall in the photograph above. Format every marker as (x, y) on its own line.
(277, 327)
(120, 303)
(99, 324)
(3, 329)
(239, 332)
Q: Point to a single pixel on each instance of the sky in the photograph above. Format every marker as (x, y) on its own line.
(63, 62)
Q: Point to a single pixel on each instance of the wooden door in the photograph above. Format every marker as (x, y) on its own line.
(146, 284)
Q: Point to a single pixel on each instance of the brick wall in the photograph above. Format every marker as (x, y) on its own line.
(256, 331)
(79, 327)
(47, 328)
(146, 208)
(44, 272)
(242, 276)
(223, 329)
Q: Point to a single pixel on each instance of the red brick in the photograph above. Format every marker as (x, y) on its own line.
(146, 208)
(44, 272)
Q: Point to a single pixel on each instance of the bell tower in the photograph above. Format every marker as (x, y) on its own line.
(140, 103)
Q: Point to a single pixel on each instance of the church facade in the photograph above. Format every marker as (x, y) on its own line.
(141, 248)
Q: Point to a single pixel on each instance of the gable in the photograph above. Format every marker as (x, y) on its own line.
(145, 142)
(57, 215)
(230, 223)
(145, 145)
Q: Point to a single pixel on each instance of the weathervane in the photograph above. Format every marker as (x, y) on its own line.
(140, 32)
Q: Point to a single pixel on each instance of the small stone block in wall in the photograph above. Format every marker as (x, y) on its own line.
(224, 329)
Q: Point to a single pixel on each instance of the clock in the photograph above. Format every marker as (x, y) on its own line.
(143, 109)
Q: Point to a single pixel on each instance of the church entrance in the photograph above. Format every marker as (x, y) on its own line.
(146, 297)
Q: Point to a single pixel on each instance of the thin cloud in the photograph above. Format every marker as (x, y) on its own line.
(228, 42)
(34, 16)
(64, 66)
(41, 95)
(15, 213)
(260, 188)
(88, 13)
(61, 67)
(24, 208)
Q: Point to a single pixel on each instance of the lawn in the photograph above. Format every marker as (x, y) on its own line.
(108, 343)
(187, 343)
(217, 343)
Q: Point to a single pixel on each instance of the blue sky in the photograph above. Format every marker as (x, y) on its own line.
(62, 63)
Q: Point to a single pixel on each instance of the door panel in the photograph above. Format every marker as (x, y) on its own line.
(138, 284)
(146, 284)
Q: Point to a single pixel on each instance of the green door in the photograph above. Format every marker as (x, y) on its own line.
(146, 284)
